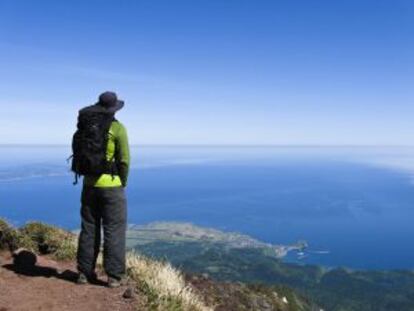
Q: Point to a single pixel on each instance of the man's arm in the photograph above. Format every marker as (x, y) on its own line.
(123, 157)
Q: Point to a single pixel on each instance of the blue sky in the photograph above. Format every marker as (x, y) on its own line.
(211, 71)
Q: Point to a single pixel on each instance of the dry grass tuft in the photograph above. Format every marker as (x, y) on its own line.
(164, 285)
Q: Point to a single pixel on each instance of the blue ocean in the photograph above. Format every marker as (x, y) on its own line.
(353, 205)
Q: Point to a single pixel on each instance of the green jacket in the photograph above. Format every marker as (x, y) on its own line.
(117, 150)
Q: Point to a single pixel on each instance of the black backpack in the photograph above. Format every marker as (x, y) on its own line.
(90, 141)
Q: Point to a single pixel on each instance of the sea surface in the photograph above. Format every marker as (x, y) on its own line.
(353, 205)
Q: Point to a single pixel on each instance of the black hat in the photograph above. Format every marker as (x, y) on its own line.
(110, 102)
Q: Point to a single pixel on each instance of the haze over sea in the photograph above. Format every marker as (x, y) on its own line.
(354, 205)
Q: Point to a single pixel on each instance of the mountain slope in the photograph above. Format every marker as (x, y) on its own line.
(42, 276)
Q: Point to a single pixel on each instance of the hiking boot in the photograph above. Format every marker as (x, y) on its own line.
(82, 279)
(85, 279)
(114, 283)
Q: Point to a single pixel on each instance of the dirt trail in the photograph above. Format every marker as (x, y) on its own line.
(50, 285)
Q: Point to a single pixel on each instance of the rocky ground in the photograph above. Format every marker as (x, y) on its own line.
(50, 285)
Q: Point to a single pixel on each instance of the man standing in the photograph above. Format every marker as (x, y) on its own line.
(101, 155)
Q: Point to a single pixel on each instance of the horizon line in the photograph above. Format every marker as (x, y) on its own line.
(3, 145)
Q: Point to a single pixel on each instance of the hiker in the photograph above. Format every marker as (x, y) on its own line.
(101, 155)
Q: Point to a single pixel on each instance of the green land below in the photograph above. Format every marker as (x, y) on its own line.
(229, 256)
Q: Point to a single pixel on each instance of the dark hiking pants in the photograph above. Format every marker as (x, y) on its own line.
(106, 207)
